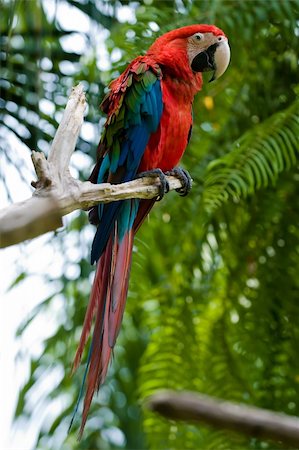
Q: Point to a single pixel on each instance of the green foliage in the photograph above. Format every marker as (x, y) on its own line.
(255, 160)
(212, 305)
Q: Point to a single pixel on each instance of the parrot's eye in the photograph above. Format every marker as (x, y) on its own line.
(220, 38)
(198, 36)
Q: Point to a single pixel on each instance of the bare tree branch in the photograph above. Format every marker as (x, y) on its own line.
(19, 225)
(57, 192)
(248, 420)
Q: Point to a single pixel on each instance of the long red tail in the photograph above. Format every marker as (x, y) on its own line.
(106, 306)
(107, 303)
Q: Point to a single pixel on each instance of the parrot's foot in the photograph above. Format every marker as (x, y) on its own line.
(184, 178)
(157, 173)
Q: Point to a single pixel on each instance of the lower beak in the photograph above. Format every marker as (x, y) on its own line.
(205, 61)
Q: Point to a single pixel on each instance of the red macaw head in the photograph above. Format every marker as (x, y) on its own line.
(193, 49)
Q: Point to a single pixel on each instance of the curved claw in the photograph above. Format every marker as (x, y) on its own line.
(157, 173)
(184, 178)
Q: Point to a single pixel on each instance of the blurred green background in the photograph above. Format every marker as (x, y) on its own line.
(213, 303)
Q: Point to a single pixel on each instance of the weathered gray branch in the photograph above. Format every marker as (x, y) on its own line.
(248, 420)
(57, 192)
(28, 219)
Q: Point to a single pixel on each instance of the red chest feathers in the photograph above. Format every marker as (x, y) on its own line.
(167, 145)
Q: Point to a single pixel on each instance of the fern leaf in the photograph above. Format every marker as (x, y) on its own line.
(255, 160)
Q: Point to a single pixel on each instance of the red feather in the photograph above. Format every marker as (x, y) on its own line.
(107, 303)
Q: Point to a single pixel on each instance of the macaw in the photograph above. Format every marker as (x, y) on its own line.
(148, 126)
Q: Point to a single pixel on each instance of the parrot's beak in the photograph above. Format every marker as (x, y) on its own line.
(221, 59)
(216, 58)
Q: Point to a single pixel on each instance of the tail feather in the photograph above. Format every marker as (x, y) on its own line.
(97, 297)
(119, 287)
(144, 208)
(94, 369)
(107, 303)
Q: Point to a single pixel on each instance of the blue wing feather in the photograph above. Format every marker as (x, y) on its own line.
(143, 110)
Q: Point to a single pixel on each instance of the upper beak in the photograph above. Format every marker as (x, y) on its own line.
(221, 59)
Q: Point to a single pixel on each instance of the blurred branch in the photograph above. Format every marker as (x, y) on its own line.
(57, 192)
(28, 219)
(248, 420)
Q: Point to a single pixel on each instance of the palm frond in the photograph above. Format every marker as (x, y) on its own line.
(255, 161)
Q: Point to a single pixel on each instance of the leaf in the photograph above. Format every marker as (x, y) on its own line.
(17, 280)
(255, 160)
